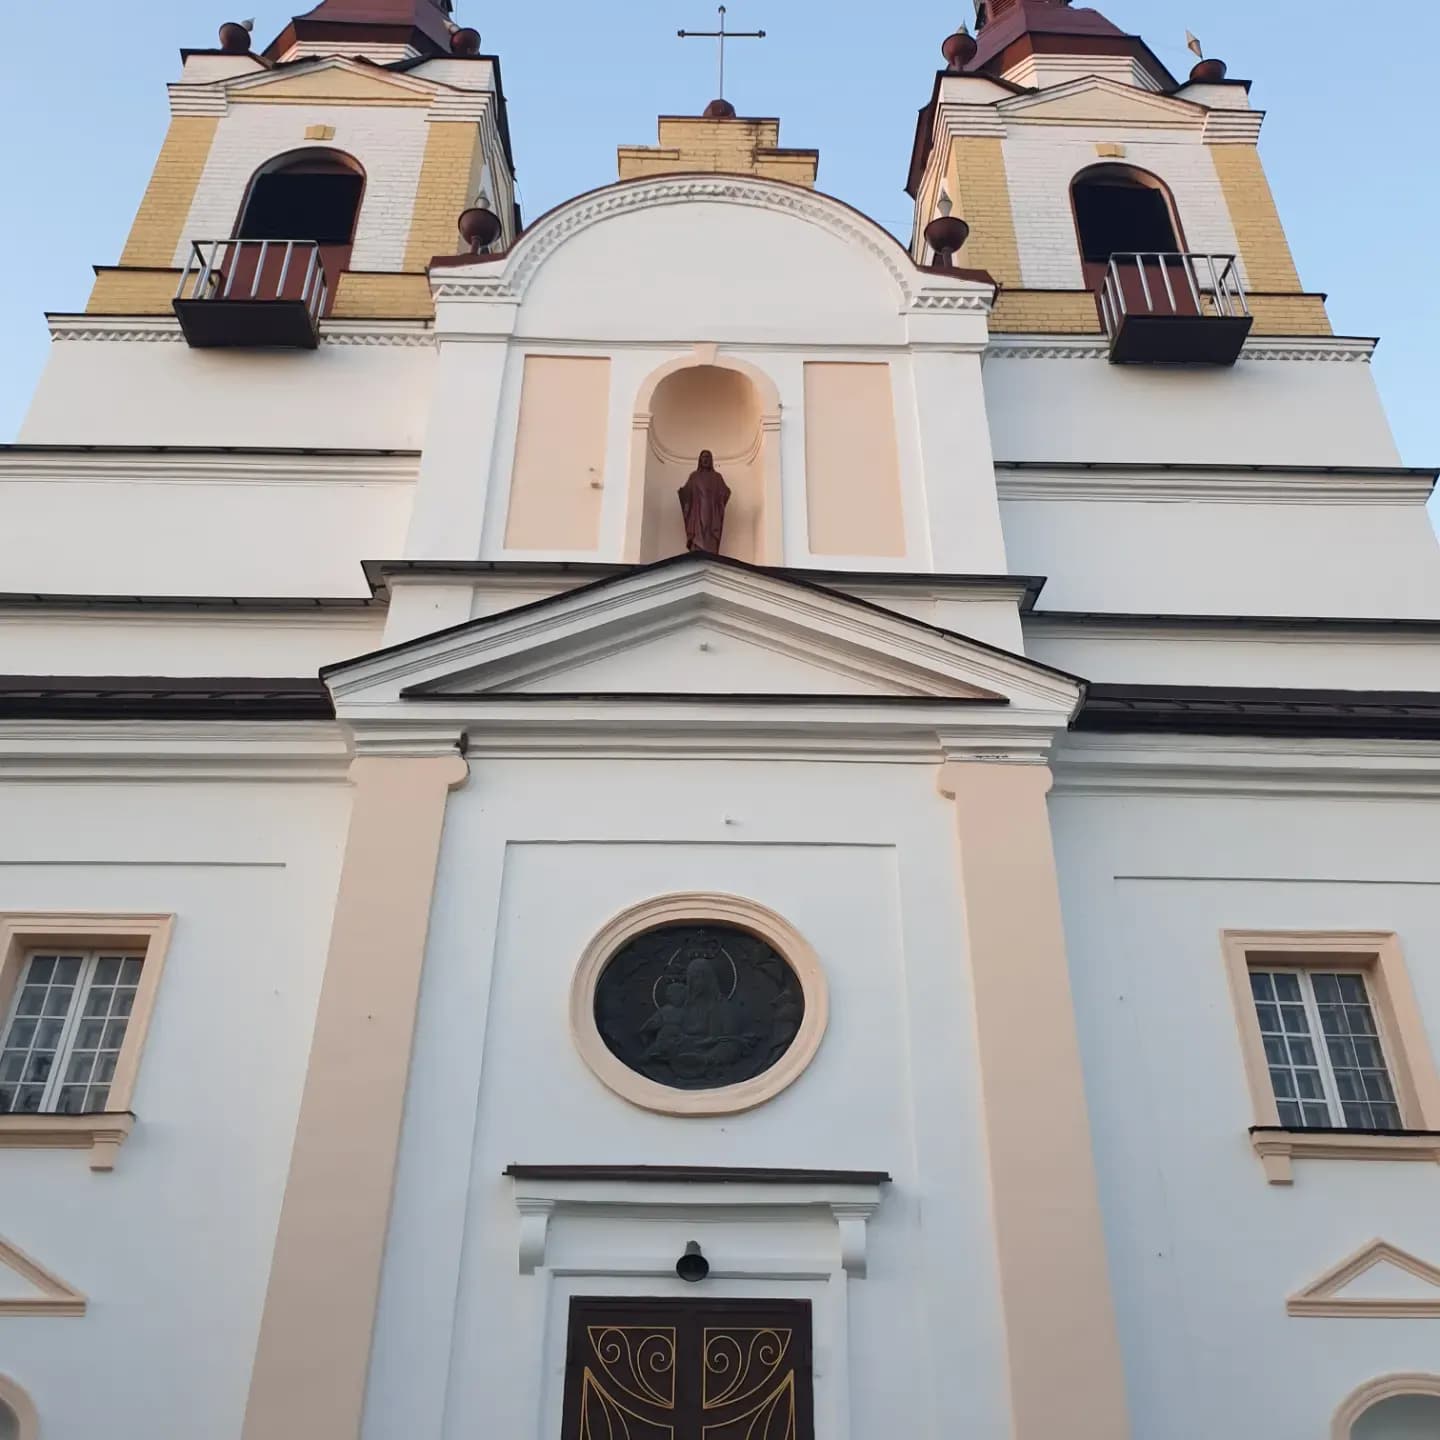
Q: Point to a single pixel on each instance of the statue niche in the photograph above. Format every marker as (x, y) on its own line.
(716, 413)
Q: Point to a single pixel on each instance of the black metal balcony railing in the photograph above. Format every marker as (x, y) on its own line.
(253, 293)
(1174, 307)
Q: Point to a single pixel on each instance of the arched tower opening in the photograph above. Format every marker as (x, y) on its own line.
(1122, 210)
(310, 195)
(715, 408)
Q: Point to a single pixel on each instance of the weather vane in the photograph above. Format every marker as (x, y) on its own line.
(722, 35)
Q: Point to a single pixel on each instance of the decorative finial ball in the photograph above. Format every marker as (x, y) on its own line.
(479, 226)
(719, 110)
(465, 41)
(945, 236)
(1209, 72)
(960, 49)
(235, 38)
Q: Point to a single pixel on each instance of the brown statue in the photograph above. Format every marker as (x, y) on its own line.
(703, 498)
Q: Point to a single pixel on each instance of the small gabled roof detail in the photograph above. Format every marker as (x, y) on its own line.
(1331, 1294)
(44, 1292)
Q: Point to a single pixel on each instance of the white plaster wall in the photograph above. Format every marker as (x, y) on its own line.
(1207, 558)
(1042, 160)
(1260, 412)
(173, 1248)
(1203, 1251)
(54, 642)
(699, 271)
(537, 855)
(288, 539)
(161, 392)
(387, 140)
(1219, 657)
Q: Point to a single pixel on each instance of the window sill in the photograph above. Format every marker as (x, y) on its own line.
(102, 1134)
(1277, 1148)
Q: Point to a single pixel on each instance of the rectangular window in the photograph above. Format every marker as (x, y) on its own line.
(64, 1033)
(1322, 1046)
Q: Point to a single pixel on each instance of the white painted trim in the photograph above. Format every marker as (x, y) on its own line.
(851, 1206)
(189, 467)
(1278, 347)
(124, 750)
(506, 281)
(1235, 486)
(163, 329)
(1365, 770)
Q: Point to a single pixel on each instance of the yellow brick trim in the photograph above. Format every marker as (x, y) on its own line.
(980, 194)
(443, 192)
(160, 221)
(370, 295)
(1289, 315)
(125, 291)
(1043, 312)
(1269, 264)
(730, 147)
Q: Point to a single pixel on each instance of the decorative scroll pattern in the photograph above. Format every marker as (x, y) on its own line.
(651, 1369)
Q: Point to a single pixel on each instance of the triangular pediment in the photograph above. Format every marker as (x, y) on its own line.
(332, 79)
(1094, 97)
(28, 1288)
(702, 627)
(1379, 1281)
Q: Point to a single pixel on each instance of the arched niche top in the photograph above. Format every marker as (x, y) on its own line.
(1376, 1392)
(547, 234)
(329, 183)
(26, 1421)
(765, 387)
(1135, 223)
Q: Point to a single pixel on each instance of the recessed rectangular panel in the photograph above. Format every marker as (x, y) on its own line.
(556, 484)
(852, 466)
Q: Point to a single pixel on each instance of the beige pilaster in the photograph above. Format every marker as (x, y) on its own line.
(314, 1347)
(160, 221)
(443, 191)
(980, 194)
(1066, 1371)
(1269, 265)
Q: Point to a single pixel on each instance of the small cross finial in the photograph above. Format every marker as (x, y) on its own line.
(721, 35)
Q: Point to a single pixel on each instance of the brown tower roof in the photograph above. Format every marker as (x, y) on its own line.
(421, 23)
(1017, 28)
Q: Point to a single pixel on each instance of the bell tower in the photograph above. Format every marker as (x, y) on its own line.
(1102, 192)
(322, 172)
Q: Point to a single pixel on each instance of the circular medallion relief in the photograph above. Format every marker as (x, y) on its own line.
(698, 1005)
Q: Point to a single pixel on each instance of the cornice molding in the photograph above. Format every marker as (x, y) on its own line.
(1235, 485)
(1207, 765)
(506, 281)
(160, 466)
(165, 330)
(124, 751)
(1332, 349)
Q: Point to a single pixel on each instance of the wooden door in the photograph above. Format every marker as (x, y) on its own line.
(689, 1370)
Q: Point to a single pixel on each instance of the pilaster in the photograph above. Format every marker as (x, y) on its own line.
(1066, 1371)
(314, 1345)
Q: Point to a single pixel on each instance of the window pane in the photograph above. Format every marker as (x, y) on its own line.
(1386, 1117)
(1302, 1052)
(1362, 1080)
(1287, 987)
(1360, 1020)
(1352, 989)
(1290, 1115)
(107, 970)
(1327, 989)
(32, 1000)
(1317, 1116)
(1260, 986)
(72, 1100)
(97, 1098)
(1269, 1018)
(30, 1098)
(1357, 1117)
(130, 971)
(1308, 1083)
(1296, 1022)
(1377, 1087)
(57, 1002)
(1275, 1052)
(67, 969)
(41, 969)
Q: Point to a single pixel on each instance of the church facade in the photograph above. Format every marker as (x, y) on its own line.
(682, 820)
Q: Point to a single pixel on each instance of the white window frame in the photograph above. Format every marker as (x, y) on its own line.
(65, 1046)
(1319, 1041)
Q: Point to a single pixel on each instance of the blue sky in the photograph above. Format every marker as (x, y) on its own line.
(1348, 142)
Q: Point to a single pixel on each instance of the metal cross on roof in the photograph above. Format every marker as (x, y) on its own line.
(722, 35)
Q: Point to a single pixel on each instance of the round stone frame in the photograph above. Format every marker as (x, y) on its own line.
(699, 908)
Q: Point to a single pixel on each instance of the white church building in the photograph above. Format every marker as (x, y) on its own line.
(925, 926)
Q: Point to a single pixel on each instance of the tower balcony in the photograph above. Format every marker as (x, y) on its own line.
(1174, 308)
(253, 293)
